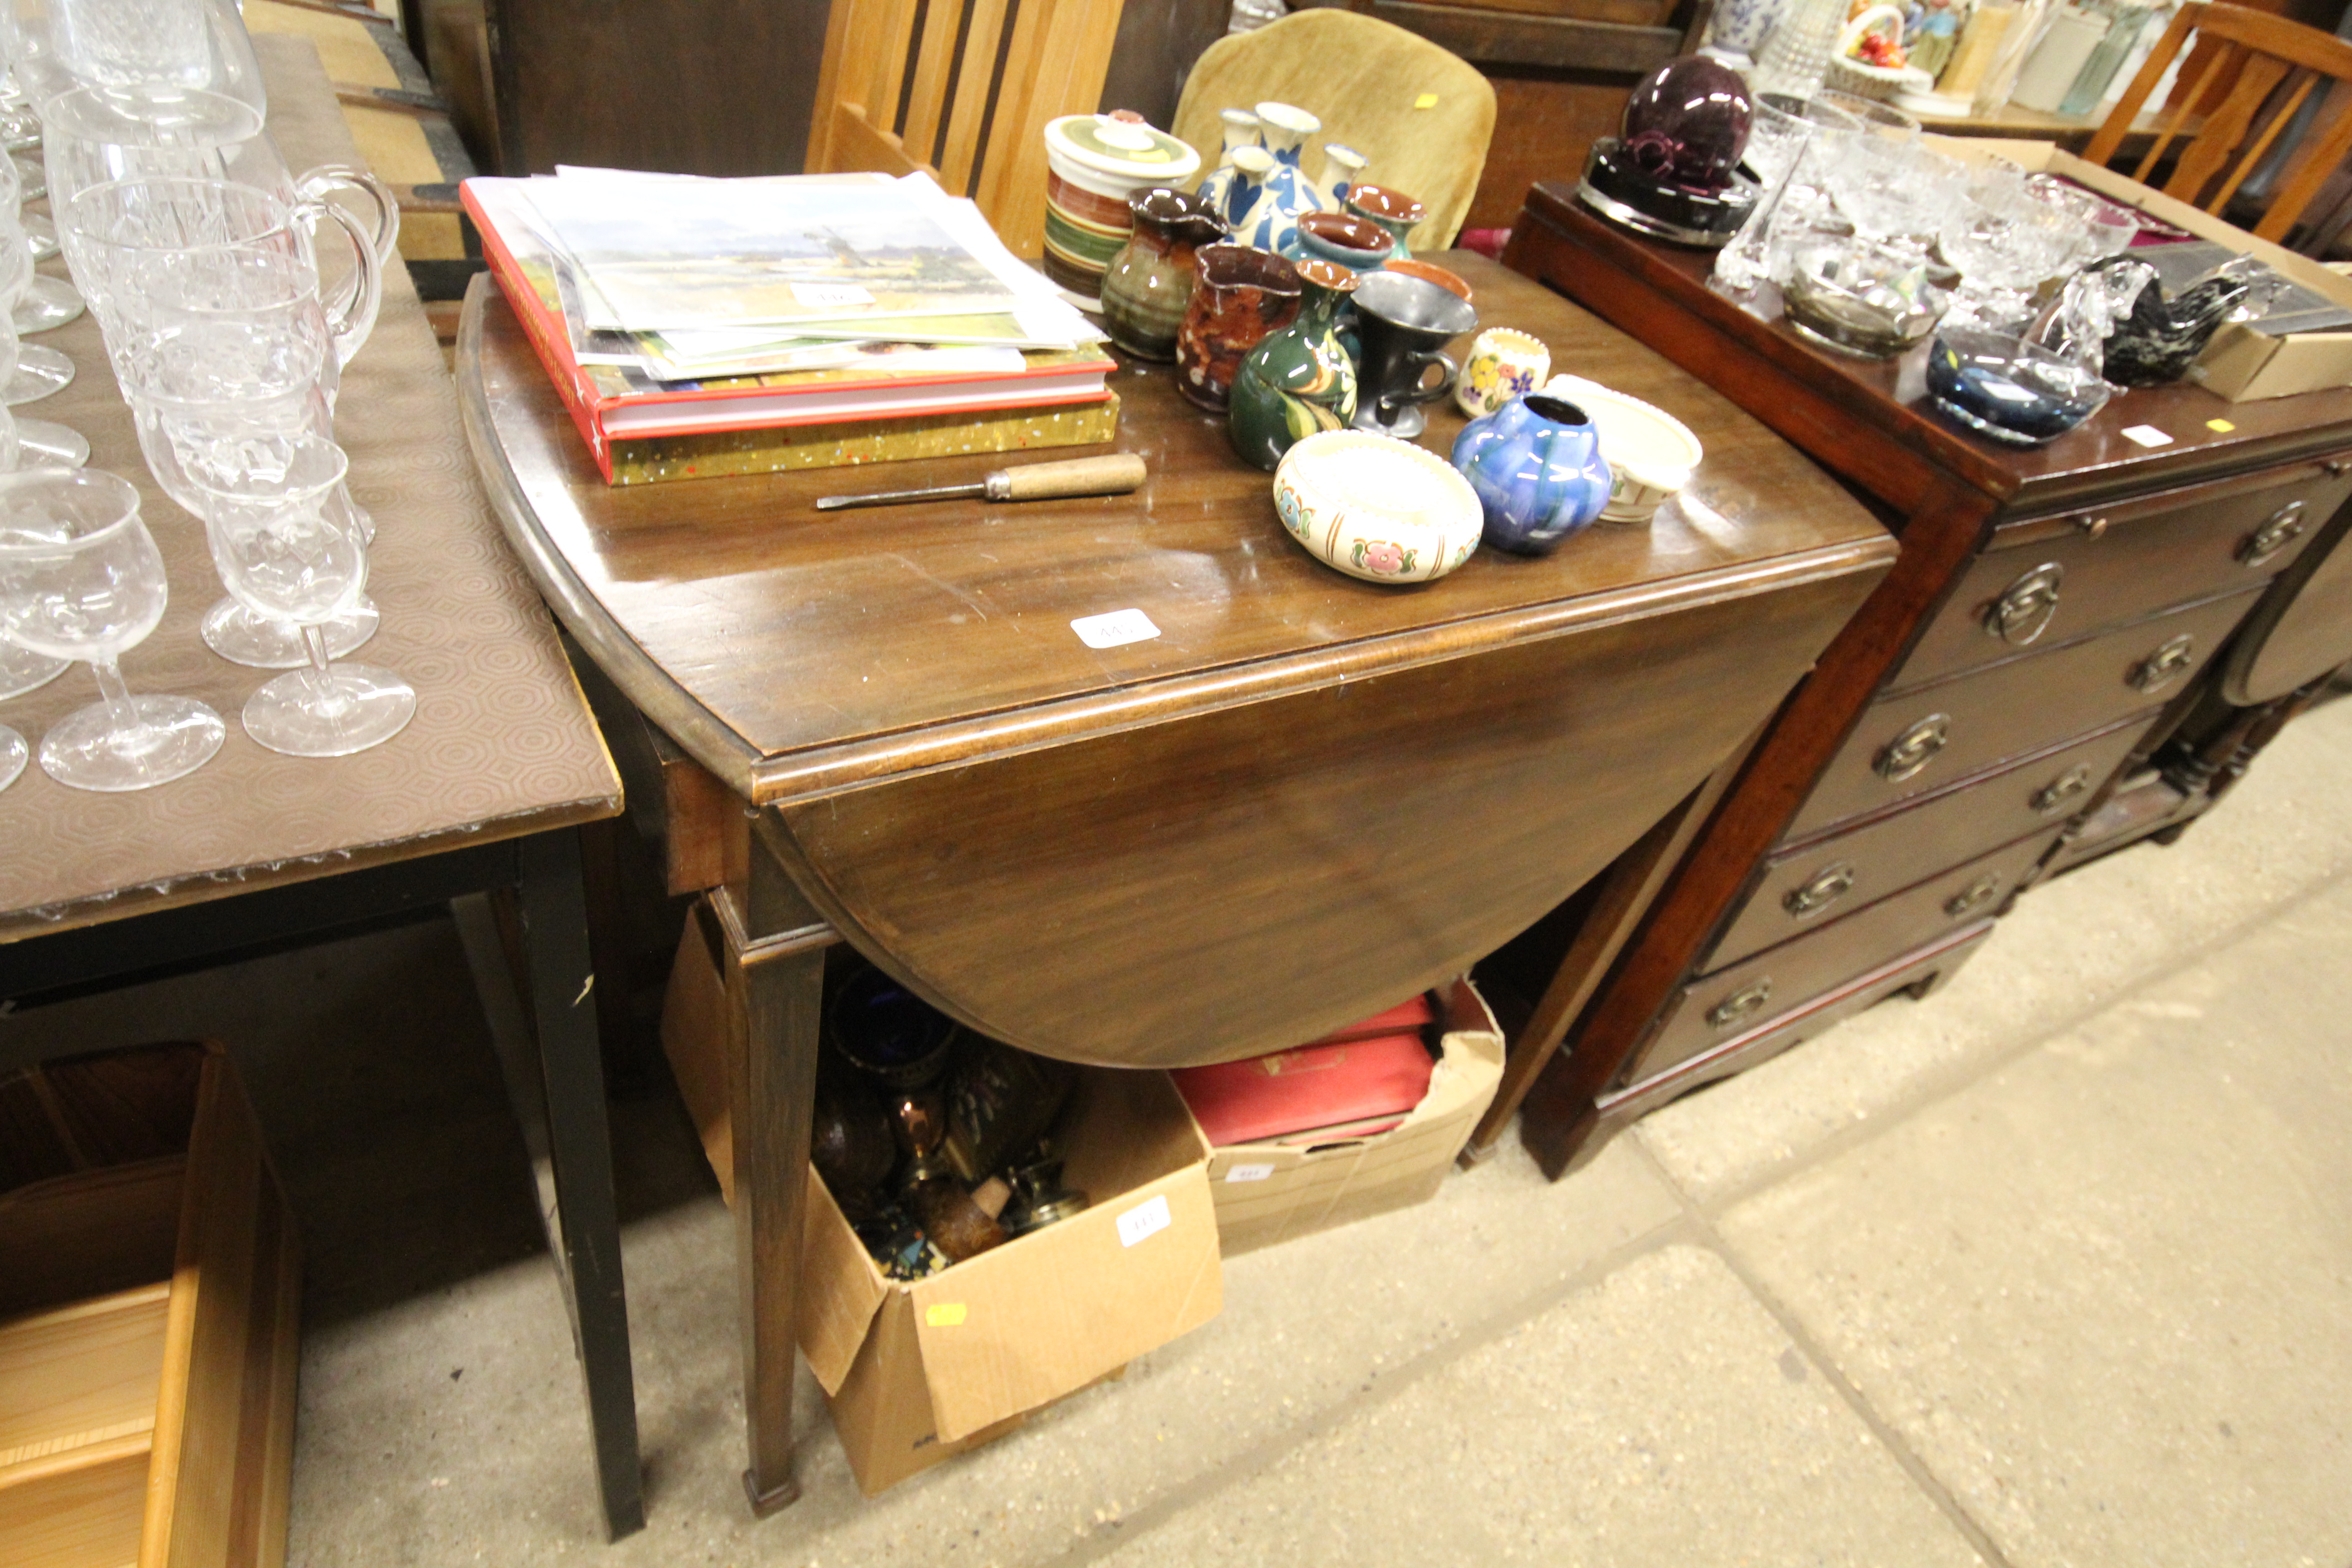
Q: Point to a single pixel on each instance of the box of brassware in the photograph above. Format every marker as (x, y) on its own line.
(1278, 1189)
(916, 1371)
(2243, 363)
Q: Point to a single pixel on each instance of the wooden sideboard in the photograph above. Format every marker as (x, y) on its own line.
(2052, 615)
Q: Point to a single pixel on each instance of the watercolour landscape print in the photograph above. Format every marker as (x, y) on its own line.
(726, 256)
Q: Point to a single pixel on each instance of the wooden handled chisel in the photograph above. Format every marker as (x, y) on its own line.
(1112, 475)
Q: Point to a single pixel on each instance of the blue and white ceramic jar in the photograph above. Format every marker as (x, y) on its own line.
(1217, 185)
(1536, 466)
(1284, 194)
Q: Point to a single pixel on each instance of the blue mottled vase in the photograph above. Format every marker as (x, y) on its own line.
(1535, 464)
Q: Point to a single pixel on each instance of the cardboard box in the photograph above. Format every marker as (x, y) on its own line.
(916, 1372)
(1268, 1193)
(2243, 364)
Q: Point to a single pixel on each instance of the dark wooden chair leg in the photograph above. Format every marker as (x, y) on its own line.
(584, 1225)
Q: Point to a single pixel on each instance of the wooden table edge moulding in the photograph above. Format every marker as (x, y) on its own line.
(1942, 491)
(1309, 798)
(485, 792)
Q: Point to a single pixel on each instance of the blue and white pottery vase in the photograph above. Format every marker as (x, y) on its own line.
(1535, 465)
(1217, 185)
(1343, 166)
(1285, 193)
(1742, 25)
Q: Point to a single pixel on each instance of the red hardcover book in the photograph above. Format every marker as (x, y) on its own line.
(1307, 1088)
(608, 409)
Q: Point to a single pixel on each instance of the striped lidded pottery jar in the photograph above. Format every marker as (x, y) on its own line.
(1093, 163)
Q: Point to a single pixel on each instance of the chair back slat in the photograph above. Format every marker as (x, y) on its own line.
(934, 76)
(2262, 73)
(906, 82)
(960, 153)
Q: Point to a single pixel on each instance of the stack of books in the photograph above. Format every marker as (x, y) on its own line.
(702, 326)
(1353, 1083)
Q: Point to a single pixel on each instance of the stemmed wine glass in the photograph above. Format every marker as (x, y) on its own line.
(81, 578)
(284, 552)
(40, 302)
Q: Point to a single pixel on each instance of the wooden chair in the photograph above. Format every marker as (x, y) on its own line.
(2261, 71)
(938, 85)
(1420, 115)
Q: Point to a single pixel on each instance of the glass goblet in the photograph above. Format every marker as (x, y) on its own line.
(285, 555)
(81, 578)
(34, 443)
(196, 447)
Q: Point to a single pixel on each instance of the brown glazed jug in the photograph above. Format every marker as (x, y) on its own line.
(1244, 295)
(1150, 281)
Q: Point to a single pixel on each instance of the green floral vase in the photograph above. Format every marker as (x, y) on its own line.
(1299, 380)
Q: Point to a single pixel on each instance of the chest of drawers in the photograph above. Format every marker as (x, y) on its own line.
(2049, 608)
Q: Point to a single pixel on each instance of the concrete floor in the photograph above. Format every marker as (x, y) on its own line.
(2054, 1268)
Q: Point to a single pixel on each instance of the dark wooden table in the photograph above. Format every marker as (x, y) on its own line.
(2152, 540)
(1305, 799)
(486, 788)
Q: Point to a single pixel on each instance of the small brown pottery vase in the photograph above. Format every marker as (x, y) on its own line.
(1243, 295)
(1150, 280)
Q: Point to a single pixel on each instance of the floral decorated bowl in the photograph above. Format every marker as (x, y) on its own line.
(1375, 507)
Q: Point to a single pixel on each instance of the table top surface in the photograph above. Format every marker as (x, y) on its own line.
(796, 653)
(1890, 393)
(502, 742)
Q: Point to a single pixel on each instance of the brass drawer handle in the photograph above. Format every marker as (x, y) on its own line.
(2278, 530)
(1742, 1004)
(2094, 527)
(1828, 885)
(2055, 795)
(1915, 747)
(2024, 611)
(2337, 467)
(1975, 896)
(2170, 660)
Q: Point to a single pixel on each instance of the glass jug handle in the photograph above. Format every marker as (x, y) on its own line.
(350, 315)
(383, 207)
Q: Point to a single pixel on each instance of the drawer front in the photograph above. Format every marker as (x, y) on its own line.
(1908, 744)
(2052, 580)
(1748, 995)
(1809, 886)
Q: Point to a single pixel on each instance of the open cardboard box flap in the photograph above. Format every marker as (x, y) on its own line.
(1268, 1193)
(2243, 362)
(841, 1288)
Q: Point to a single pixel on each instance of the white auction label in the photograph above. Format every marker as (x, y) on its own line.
(831, 296)
(1144, 1219)
(1116, 629)
(2147, 435)
(1249, 1172)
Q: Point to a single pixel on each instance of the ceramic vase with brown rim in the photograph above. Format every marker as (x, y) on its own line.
(1299, 380)
(1241, 295)
(1150, 280)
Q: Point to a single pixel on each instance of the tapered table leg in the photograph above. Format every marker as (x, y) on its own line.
(775, 944)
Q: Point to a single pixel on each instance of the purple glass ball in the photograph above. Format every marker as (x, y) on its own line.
(1687, 121)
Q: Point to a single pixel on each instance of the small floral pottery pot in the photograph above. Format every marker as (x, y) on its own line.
(1093, 163)
(1395, 212)
(1242, 295)
(1650, 454)
(1430, 272)
(1150, 280)
(1299, 380)
(1383, 510)
(1503, 364)
(1348, 242)
(1536, 466)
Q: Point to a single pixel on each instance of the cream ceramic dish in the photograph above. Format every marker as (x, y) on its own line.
(1377, 507)
(1651, 453)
